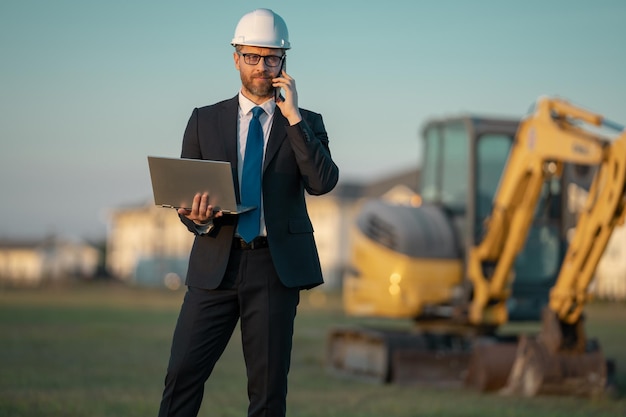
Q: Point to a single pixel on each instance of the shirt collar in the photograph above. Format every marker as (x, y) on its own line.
(246, 105)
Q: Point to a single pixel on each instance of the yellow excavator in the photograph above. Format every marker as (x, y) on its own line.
(484, 243)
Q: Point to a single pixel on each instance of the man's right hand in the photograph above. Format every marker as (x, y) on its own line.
(201, 212)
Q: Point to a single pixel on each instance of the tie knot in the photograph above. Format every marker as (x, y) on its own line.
(257, 111)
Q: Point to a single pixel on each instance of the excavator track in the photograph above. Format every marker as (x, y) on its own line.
(405, 357)
(525, 367)
(361, 353)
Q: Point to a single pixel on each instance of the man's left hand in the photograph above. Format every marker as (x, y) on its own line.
(289, 103)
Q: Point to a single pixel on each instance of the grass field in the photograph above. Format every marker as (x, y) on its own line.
(94, 350)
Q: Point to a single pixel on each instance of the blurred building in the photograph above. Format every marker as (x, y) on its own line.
(609, 281)
(610, 277)
(148, 245)
(52, 259)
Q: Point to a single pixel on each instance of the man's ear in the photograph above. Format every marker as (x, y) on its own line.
(236, 58)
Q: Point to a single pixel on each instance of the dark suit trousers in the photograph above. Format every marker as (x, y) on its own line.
(251, 291)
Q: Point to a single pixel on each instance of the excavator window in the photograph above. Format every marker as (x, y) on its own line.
(455, 151)
(540, 259)
(491, 155)
(430, 166)
(445, 166)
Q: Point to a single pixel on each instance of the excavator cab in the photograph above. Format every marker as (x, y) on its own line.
(464, 159)
(408, 260)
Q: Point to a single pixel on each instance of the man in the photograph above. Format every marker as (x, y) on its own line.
(250, 266)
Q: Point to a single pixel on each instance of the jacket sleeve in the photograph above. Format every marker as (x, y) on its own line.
(309, 142)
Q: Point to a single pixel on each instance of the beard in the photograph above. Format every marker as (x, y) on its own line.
(259, 84)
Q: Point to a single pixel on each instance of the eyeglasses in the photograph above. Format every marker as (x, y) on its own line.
(270, 60)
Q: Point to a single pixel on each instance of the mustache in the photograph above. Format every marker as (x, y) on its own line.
(264, 73)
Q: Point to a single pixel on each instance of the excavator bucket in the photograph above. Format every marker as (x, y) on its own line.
(559, 360)
(538, 371)
(490, 364)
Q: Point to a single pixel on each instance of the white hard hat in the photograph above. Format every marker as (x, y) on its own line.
(262, 27)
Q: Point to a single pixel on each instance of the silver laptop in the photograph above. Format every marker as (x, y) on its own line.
(175, 181)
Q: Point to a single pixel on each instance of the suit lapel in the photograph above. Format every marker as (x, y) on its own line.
(227, 130)
(277, 136)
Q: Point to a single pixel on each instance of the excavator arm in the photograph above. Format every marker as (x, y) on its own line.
(559, 359)
(550, 137)
(604, 210)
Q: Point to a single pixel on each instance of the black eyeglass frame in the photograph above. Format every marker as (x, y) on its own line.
(254, 59)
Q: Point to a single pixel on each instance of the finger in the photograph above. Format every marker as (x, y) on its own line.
(195, 206)
(209, 211)
(204, 211)
(277, 83)
(204, 202)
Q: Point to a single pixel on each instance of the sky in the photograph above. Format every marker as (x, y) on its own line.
(89, 89)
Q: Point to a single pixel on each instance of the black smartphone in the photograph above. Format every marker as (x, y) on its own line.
(283, 65)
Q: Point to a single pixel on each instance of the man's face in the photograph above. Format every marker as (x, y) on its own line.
(256, 79)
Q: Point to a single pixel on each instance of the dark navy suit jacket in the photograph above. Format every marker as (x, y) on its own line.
(297, 158)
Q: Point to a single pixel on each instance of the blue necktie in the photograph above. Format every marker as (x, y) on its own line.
(250, 222)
